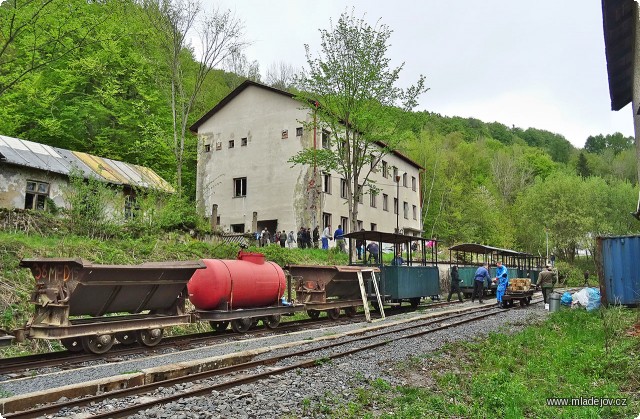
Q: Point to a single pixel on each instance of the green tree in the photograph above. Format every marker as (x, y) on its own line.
(582, 166)
(560, 204)
(36, 33)
(354, 88)
(219, 35)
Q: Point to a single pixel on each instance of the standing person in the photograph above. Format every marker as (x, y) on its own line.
(586, 278)
(301, 243)
(339, 239)
(482, 274)
(455, 284)
(373, 250)
(291, 238)
(553, 260)
(360, 247)
(502, 278)
(326, 235)
(546, 281)
(316, 238)
(307, 237)
(263, 237)
(283, 238)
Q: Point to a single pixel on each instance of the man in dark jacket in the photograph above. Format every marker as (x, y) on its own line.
(455, 284)
(546, 280)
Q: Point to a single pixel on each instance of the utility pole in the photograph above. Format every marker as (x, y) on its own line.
(398, 204)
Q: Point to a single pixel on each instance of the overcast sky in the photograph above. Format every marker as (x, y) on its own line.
(530, 64)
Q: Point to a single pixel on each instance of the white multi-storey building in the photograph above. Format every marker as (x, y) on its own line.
(245, 180)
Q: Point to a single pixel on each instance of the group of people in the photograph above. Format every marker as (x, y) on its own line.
(547, 278)
(482, 274)
(305, 238)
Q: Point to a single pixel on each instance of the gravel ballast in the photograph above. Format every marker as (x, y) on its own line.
(299, 393)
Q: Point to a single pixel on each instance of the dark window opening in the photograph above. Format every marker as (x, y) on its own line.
(231, 143)
(207, 148)
(36, 195)
(240, 187)
(299, 132)
(243, 142)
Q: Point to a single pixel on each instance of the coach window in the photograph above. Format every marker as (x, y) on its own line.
(36, 195)
(240, 187)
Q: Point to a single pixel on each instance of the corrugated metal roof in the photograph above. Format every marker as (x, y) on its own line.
(58, 160)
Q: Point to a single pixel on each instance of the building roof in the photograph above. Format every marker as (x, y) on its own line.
(483, 250)
(194, 128)
(618, 22)
(58, 160)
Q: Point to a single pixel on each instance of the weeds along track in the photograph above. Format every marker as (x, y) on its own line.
(26, 366)
(136, 399)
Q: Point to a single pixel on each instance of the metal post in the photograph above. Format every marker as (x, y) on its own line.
(398, 206)
(547, 234)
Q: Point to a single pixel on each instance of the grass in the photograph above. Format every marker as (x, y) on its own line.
(573, 354)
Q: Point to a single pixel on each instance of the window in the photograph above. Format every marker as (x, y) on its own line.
(326, 219)
(131, 207)
(360, 194)
(243, 142)
(326, 185)
(360, 225)
(344, 222)
(385, 202)
(373, 163)
(299, 132)
(36, 195)
(343, 188)
(237, 228)
(395, 174)
(373, 200)
(413, 183)
(285, 134)
(232, 143)
(325, 139)
(415, 212)
(405, 208)
(395, 205)
(404, 180)
(207, 148)
(219, 145)
(374, 227)
(385, 169)
(240, 187)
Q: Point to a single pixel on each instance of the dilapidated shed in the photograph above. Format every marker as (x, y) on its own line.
(33, 174)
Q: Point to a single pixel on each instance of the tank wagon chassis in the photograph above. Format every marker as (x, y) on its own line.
(78, 303)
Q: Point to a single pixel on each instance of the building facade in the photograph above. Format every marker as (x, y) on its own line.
(34, 176)
(246, 183)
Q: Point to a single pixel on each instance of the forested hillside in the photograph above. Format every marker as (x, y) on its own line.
(99, 77)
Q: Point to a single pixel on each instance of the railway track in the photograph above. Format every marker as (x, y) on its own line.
(17, 367)
(225, 380)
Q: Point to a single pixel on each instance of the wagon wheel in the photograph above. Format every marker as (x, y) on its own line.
(271, 321)
(314, 314)
(126, 338)
(220, 326)
(414, 302)
(149, 337)
(72, 344)
(333, 313)
(350, 311)
(241, 325)
(97, 344)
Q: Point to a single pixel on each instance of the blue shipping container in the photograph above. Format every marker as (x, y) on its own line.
(619, 276)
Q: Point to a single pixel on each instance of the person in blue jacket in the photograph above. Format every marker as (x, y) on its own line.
(502, 278)
(482, 273)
